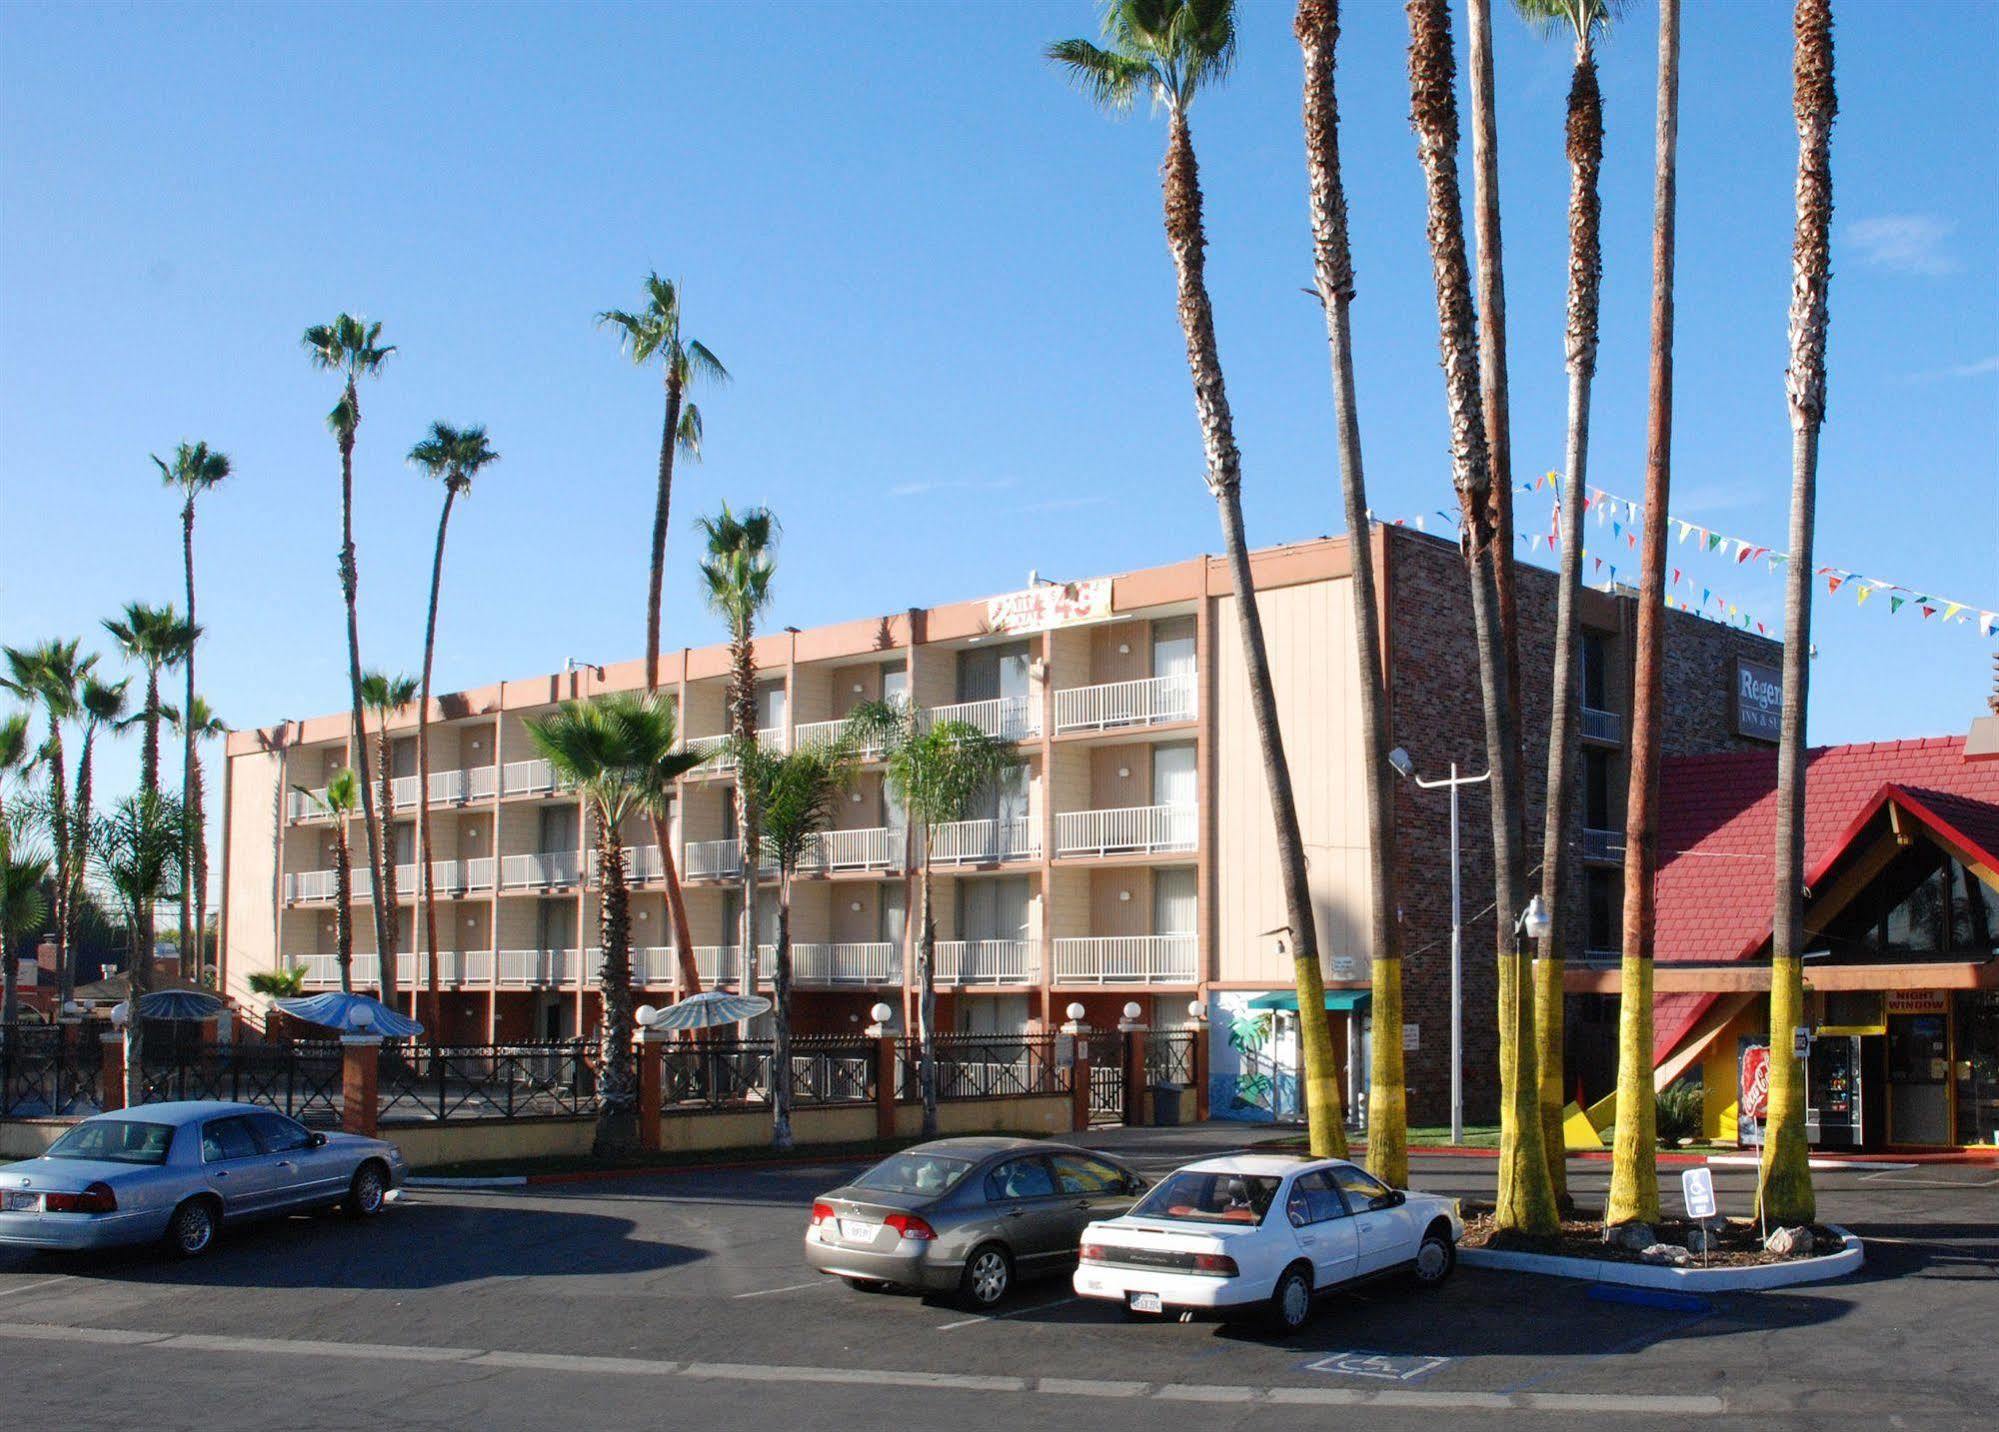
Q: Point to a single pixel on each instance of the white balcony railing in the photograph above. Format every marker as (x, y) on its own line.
(874, 963)
(1603, 845)
(454, 967)
(1604, 726)
(521, 778)
(988, 962)
(718, 859)
(716, 748)
(642, 863)
(1010, 718)
(723, 964)
(1154, 701)
(1138, 830)
(304, 805)
(321, 971)
(542, 870)
(1128, 959)
(446, 787)
(877, 848)
(981, 842)
(538, 967)
(453, 877)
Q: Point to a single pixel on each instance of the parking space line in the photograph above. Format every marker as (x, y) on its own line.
(30, 1287)
(787, 1288)
(996, 1317)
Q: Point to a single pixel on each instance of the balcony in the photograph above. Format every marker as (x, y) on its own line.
(717, 860)
(305, 805)
(454, 967)
(544, 870)
(1128, 960)
(1123, 705)
(988, 962)
(1007, 718)
(1604, 727)
(716, 749)
(1137, 830)
(985, 842)
(1603, 846)
(642, 863)
(447, 787)
(452, 877)
(530, 968)
(877, 848)
(830, 966)
(529, 778)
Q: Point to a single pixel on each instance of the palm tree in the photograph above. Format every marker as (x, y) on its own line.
(23, 907)
(1170, 50)
(1585, 19)
(286, 983)
(13, 758)
(654, 333)
(1786, 1176)
(935, 772)
(1526, 1202)
(338, 801)
(53, 674)
(206, 726)
(797, 795)
(386, 693)
(194, 470)
(1634, 1163)
(1318, 29)
(138, 853)
(613, 752)
(351, 347)
(737, 574)
(154, 639)
(454, 457)
(99, 704)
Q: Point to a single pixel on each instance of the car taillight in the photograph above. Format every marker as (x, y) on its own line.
(98, 1198)
(822, 1212)
(1217, 1265)
(908, 1225)
(1091, 1253)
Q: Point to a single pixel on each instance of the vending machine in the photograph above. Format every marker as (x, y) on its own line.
(1832, 1092)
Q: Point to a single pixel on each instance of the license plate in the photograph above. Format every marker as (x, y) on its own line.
(857, 1230)
(1145, 1302)
(14, 1202)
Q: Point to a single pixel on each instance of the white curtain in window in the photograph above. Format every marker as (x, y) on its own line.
(1175, 902)
(1173, 780)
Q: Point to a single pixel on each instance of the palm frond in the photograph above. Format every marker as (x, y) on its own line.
(1111, 81)
(687, 438)
(386, 693)
(700, 363)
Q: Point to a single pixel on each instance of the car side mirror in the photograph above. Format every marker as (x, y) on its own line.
(1394, 1198)
(1134, 1184)
(317, 1141)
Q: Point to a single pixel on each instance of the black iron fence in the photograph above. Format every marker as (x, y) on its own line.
(737, 1074)
(485, 1081)
(1169, 1056)
(300, 1079)
(50, 1070)
(985, 1066)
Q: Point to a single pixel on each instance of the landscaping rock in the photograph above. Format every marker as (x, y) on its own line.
(1632, 1237)
(1702, 1239)
(1790, 1243)
(1670, 1253)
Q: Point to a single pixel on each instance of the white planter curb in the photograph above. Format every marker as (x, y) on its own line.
(1690, 1280)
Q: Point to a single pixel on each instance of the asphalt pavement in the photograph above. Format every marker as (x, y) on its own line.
(683, 1299)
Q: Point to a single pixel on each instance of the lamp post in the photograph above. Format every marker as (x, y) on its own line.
(1405, 768)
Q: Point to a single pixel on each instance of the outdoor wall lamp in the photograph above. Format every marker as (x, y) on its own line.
(1196, 1010)
(1075, 1013)
(644, 1016)
(855, 906)
(1535, 921)
(1123, 896)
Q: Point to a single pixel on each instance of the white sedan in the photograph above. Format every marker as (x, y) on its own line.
(1264, 1233)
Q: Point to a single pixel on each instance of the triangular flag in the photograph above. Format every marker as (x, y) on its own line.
(1952, 610)
(1676, 576)
(1705, 594)
(1865, 593)
(1686, 529)
(1895, 604)
(1987, 621)
(1631, 539)
(1760, 631)
(1714, 540)
(1929, 612)
(1599, 564)
(1831, 585)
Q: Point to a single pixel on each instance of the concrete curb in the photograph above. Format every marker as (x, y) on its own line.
(1690, 1280)
(501, 1181)
(1864, 1165)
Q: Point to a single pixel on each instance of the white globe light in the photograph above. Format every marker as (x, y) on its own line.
(364, 1017)
(1197, 1009)
(645, 1014)
(1075, 1013)
(881, 1014)
(1132, 1011)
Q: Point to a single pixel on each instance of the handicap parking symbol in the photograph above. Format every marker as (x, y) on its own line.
(1388, 1367)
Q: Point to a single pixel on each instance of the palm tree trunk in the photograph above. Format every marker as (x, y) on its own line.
(1318, 30)
(139, 981)
(149, 747)
(926, 998)
(59, 820)
(617, 1098)
(662, 506)
(676, 909)
(1585, 145)
(343, 914)
(743, 728)
(190, 954)
(1634, 1168)
(1186, 238)
(1787, 1180)
(426, 873)
(198, 834)
(780, 1049)
(1526, 1202)
(349, 585)
(385, 880)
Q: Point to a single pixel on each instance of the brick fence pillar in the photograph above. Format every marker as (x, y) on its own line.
(1134, 1071)
(1078, 1034)
(652, 1052)
(887, 1068)
(360, 1060)
(112, 1052)
(1200, 1070)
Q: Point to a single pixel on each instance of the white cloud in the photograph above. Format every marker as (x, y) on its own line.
(1905, 243)
(923, 488)
(1977, 368)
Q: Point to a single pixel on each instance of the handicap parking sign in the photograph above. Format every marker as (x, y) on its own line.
(1697, 1188)
(1387, 1367)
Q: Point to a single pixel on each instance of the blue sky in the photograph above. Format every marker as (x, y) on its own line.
(940, 281)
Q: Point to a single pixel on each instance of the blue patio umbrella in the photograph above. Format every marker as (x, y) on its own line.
(180, 1004)
(351, 1014)
(709, 1010)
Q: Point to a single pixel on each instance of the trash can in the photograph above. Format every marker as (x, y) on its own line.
(1166, 1104)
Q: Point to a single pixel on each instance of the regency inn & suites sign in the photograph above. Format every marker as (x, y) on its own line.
(1756, 704)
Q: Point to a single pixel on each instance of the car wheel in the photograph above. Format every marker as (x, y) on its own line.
(1291, 1300)
(365, 1194)
(866, 1285)
(988, 1276)
(1436, 1256)
(191, 1231)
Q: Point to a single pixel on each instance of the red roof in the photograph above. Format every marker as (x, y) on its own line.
(1718, 832)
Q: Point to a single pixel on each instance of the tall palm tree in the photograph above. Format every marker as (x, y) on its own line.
(99, 704)
(1169, 50)
(1318, 29)
(22, 906)
(137, 848)
(155, 639)
(1787, 1177)
(798, 795)
(654, 333)
(338, 801)
(1585, 20)
(935, 772)
(454, 456)
(1634, 1162)
(206, 726)
(195, 469)
(1526, 1202)
(386, 693)
(612, 751)
(737, 574)
(52, 674)
(352, 347)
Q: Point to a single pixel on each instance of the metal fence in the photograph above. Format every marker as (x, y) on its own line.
(733, 1074)
(983, 1066)
(302, 1080)
(485, 1081)
(1169, 1056)
(49, 1070)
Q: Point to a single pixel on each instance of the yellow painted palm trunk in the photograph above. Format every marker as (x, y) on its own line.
(1786, 1173)
(1634, 1158)
(1318, 1073)
(1387, 1094)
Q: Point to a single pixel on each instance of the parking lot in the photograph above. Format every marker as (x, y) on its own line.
(671, 1298)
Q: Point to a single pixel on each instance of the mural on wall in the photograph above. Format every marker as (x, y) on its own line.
(1251, 1076)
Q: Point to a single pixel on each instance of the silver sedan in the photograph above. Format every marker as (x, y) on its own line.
(967, 1215)
(175, 1173)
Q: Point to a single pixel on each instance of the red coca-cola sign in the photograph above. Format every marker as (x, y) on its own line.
(1755, 1071)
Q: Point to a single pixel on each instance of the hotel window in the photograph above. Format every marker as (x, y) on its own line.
(895, 685)
(770, 705)
(1603, 911)
(1173, 647)
(1596, 790)
(1596, 671)
(985, 674)
(1173, 774)
(1176, 903)
(997, 909)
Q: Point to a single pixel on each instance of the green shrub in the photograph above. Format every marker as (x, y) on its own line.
(1680, 1115)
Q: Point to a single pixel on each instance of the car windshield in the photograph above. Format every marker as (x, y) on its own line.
(115, 1141)
(915, 1172)
(1210, 1198)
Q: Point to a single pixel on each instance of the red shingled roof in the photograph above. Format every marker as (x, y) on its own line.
(1718, 831)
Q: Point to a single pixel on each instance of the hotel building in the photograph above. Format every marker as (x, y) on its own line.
(1130, 859)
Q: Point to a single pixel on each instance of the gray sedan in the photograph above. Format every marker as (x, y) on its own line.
(176, 1172)
(966, 1215)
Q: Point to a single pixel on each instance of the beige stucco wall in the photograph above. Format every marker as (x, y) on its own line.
(250, 894)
